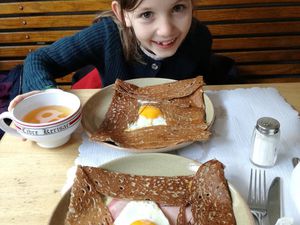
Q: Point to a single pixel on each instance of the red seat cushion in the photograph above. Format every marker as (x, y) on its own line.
(90, 80)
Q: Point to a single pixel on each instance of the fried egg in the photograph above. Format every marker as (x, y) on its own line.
(149, 115)
(141, 213)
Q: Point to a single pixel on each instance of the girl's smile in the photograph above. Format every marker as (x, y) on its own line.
(165, 44)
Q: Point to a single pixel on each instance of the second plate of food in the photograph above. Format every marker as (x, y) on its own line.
(93, 113)
(154, 164)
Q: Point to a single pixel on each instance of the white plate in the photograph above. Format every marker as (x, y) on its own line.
(157, 164)
(93, 112)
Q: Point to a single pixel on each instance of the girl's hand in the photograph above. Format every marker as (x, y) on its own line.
(19, 98)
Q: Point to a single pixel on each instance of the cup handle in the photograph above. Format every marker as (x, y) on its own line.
(5, 127)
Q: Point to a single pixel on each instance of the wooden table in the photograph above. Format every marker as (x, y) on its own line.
(31, 177)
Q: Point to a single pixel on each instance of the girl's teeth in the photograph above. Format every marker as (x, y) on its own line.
(165, 43)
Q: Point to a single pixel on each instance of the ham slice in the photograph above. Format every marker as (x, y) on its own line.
(115, 207)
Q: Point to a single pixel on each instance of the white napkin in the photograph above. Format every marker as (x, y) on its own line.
(295, 186)
(92, 154)
(285, 221)
(236, 114)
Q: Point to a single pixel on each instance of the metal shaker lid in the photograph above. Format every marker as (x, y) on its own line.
(267, 125)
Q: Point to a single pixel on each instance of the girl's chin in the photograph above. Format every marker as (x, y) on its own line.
(164, 51)
(164, 54)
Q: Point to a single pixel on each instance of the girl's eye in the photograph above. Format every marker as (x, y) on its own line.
(146, 15)
(179, 8)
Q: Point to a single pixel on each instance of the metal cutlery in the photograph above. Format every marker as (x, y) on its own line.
(295, 161)
(274, 201)
(257, 197)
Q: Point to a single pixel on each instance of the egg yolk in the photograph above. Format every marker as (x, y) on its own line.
(142, 222)
(149, 111)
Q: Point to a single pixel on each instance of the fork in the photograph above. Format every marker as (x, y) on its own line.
(257, 197)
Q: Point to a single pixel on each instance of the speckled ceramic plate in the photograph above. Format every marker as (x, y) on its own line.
(157, 164)
(93, 112)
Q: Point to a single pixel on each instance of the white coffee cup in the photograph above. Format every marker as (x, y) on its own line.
(48, 134)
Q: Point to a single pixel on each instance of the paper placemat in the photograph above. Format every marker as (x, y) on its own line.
(236, 113)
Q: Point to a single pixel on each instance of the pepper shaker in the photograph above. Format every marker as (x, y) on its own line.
(264, 143)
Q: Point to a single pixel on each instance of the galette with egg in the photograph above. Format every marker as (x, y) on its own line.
(100, 196)
(156, 116)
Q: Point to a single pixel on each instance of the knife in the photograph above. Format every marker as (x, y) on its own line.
(274, 201)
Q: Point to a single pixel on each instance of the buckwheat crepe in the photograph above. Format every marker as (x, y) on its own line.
(206, 192)
(182, 106)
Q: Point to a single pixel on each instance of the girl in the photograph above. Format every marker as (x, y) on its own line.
(137, 38)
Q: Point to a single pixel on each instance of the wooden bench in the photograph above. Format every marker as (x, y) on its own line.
(262, 36)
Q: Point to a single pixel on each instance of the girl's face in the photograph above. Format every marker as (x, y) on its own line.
(161, 25)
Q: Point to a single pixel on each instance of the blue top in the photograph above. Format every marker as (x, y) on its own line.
(100, 45)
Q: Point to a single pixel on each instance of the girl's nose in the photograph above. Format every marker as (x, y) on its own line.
(165, 27)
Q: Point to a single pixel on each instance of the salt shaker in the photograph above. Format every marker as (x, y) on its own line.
(265, 140)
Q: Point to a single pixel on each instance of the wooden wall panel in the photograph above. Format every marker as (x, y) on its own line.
(18, 51)
(8, 64)
(33, 36)
(258, 28)
(264, 56)
(250, 14)
(270, 69)
(52, 21)
(262, 36)
(53, 6)
(203, 3)
(274, 42)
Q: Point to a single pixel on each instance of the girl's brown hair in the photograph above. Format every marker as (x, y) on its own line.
(128, 38)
